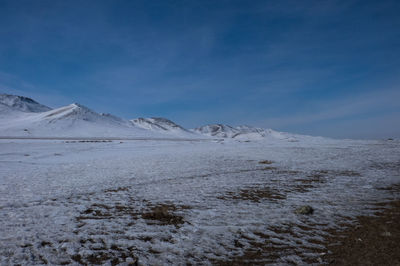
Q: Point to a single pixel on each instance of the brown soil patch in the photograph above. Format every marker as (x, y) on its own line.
(103, 253)
(269, 168)
(266, 162)
(102, 257)
(101, 211)
(373, 241)
(164, 215)
(255, 194)
(347, 173)
(262, 251)
(287, 172)
(87, 141)
(394, 166)
(116, 189)
(337, 172)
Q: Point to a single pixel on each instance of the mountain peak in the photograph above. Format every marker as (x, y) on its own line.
(22, 103)
(159, 124)
(78, 106)
(19, 115)
(74, 110)
(218, 130)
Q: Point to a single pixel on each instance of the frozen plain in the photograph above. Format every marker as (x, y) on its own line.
(66, 202)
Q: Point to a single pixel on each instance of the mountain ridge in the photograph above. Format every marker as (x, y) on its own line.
(22, 116)
(22, 103)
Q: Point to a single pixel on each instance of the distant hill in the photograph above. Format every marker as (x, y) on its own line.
(23, 104)
(163, 125)
(22, 116)
(242, 132)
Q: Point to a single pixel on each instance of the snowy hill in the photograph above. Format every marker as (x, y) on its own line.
(24, 117)
(73, 120)
(218, 130)
(162, 125)
(242, 132)
(76, 111)
(23, 104)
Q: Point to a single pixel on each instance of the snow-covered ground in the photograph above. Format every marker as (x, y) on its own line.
(97, 202)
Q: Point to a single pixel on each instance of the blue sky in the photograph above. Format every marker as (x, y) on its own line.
(328, 68)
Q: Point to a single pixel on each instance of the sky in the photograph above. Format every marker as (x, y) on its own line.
(328, 68)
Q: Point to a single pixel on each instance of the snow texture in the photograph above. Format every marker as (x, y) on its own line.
(63, 201)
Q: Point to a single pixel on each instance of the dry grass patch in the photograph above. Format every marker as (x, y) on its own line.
(287, 172)
(255, 194)
(269, 168)
(373, 241)
(115, 190)
(104, 255)
(262, 251)
(347, 173)
(266, 162)
(164, 215)
(309, 182)
(99, 211)
(350, 173)
(393, 166)
(87, 141)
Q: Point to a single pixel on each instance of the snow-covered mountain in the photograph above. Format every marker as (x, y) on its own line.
(163, 125)
(217, 130)
(22, 116)
(23, 104)
(242, 132)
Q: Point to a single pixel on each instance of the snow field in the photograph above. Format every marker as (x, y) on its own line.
(97, 202)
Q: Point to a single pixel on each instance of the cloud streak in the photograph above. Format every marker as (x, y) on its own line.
(210, 61)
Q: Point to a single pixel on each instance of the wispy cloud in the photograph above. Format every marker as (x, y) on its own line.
(379, 103)
(283, 64)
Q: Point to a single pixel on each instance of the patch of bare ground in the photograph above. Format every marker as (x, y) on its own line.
(266, 162)
(346, 173)
(394, 166)
(164, 214)
(349, 173)
(287, 172)
(304, 183)
(115, 190)
(98, 211)
(310, 181)
(269, 168)
(107, 256)
(87, 141)
(262, 250)
(255, 194)
(393, 188)
(374, 240)
(314, 177)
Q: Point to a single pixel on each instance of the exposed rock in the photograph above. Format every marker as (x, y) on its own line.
(306, 209)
